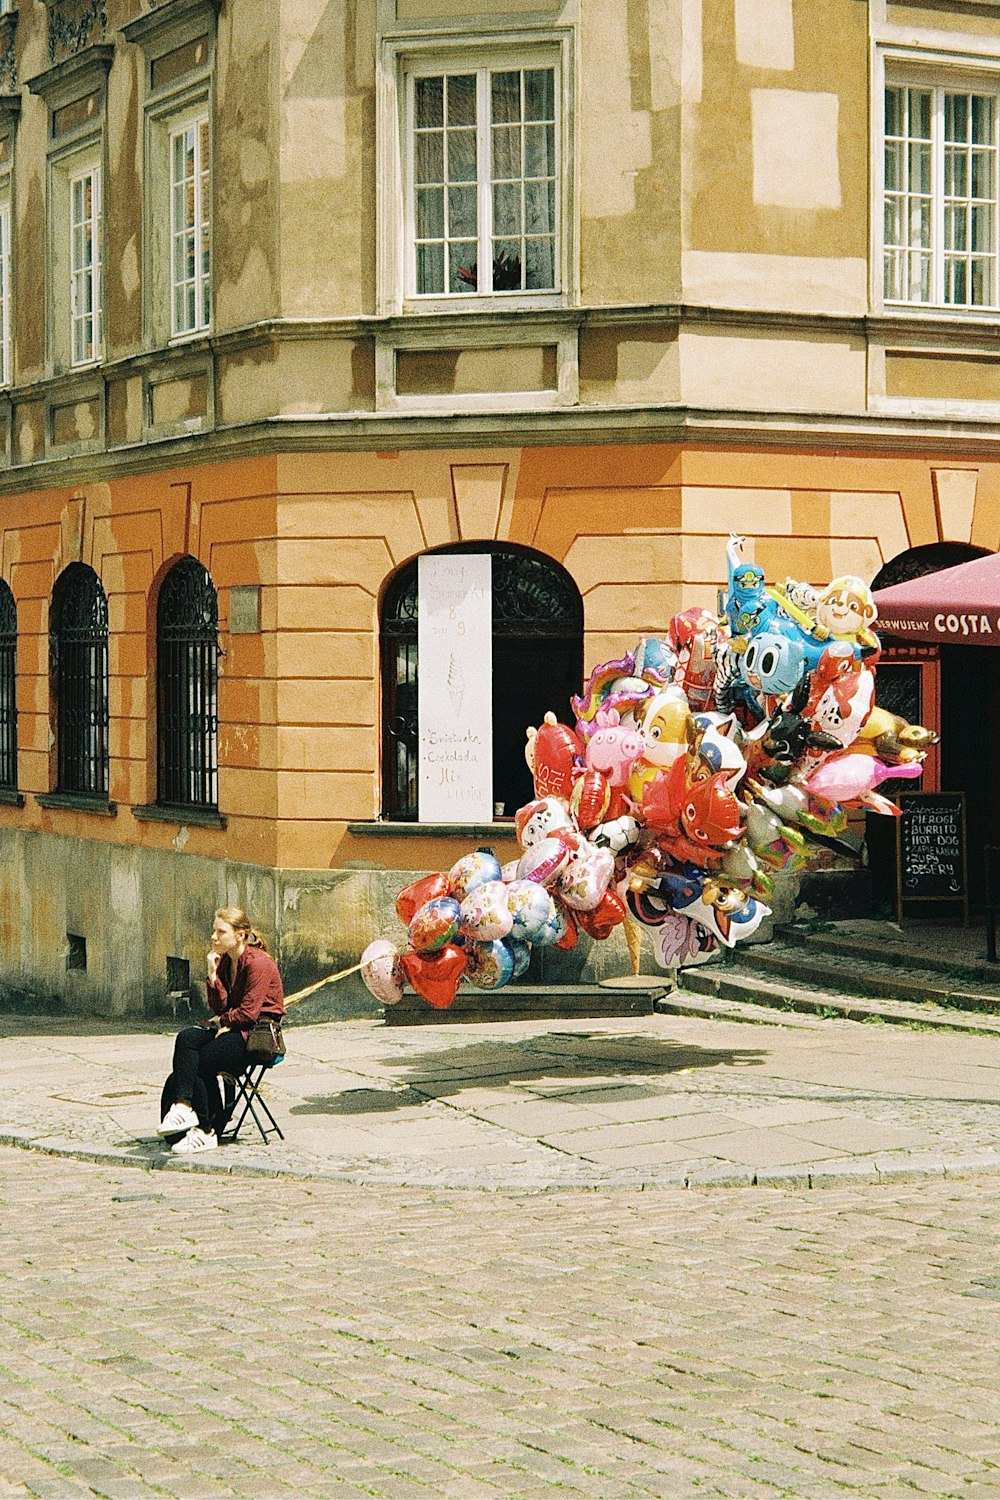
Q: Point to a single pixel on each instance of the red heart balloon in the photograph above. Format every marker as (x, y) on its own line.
(435, 976)
(605, 917)
(617, 805)
(412, 897)
(556, 745)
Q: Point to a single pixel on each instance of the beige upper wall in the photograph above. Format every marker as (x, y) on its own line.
(778, 147)
(326, 90)
(719, 157)
(629, 150)
(245, 183)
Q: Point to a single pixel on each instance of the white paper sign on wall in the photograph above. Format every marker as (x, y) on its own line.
(455, 687)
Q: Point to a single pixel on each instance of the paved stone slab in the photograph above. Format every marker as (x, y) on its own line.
(627, 1101)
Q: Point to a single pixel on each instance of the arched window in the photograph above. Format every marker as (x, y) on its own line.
(8, 689)
(187, 683)
(537, 665)
(78, 653)
(917, 562)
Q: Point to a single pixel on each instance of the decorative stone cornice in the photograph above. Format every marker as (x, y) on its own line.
(10, 108)
(170, 24)
(74, 25)
(75, 76)
(8, 56)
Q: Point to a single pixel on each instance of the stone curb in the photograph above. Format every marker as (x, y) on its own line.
(722, 994)
(920, 1168)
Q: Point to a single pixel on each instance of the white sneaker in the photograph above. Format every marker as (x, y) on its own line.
(196, 1140)
(178, 1118)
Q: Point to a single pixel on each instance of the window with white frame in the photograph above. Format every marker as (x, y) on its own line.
(86, 334)
(483, 181)
(5, 341)
(941, 218)
(190, 227)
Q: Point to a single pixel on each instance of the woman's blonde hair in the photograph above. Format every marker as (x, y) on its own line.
(240, 922)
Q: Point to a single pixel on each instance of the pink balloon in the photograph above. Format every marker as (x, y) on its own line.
(486, 912)
(543, 861)
(381, 971)
(847, 777)
(586, 875)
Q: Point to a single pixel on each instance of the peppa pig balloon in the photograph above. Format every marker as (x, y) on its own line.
(613, 747)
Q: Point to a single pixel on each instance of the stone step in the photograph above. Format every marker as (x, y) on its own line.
(729, 984)
(898, 953)
(538, 1002)
(849, 974)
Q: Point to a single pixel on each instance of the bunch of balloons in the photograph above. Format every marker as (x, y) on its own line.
(698, 766)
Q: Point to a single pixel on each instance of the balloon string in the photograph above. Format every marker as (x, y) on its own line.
(310, 989)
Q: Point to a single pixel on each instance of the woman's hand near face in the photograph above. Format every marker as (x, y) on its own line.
(212, 964)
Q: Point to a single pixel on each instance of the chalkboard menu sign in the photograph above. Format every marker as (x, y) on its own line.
(931, 862)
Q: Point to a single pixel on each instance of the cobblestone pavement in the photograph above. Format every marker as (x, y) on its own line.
(659, 1100)
(200, 1336)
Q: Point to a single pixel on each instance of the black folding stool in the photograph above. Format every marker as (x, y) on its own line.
(242, 1097)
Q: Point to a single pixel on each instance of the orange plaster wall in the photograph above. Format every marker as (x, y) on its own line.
(641, 528)
(129, 531)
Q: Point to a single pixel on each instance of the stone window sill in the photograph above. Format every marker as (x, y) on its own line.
(190, 817)
(75, 802)
(11, 797)
(389, 829)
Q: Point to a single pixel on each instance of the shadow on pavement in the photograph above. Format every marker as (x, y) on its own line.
(575, 1057)
(18, 1023)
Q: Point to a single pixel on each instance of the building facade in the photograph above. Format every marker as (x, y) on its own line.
(293, 292)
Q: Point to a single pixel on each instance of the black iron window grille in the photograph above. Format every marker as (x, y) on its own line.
(78, 650)
(537, 664)
(187, 688)
(8, 689)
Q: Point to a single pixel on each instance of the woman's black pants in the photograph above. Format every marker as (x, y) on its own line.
(200, 1055)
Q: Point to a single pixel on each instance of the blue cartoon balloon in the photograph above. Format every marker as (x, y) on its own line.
(533, 911)
(520, 953)
(777, 656)
(748, 605)
(473, 870)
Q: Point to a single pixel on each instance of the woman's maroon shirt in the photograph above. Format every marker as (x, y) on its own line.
(256, 990)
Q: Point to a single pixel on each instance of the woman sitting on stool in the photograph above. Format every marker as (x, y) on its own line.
(243, 985)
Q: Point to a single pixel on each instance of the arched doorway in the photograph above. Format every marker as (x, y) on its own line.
(955, 690)
(537, 665)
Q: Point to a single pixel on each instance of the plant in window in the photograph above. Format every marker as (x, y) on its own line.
(506, 273)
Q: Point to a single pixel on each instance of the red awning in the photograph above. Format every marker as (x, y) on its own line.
(955, 606)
